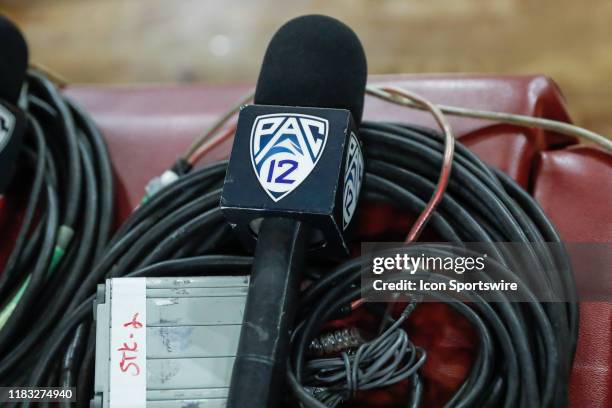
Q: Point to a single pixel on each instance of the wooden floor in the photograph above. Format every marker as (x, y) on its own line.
(128, 41)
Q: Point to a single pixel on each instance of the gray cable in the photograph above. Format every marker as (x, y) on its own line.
(388, 359)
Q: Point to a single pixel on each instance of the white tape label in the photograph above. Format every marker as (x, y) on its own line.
(128, 348)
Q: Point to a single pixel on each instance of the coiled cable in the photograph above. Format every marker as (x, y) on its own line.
(67, 222)
(525, 352)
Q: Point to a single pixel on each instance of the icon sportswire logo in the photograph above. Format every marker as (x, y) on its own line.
(285, 148)
(353, 175)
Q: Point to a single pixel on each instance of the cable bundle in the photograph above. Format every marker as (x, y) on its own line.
(386, 360)
(179, 231)
(65, 227)
(526, 350)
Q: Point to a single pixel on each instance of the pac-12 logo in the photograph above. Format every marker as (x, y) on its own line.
(285, 148)
(353, 175)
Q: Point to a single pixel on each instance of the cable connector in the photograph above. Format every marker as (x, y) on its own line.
(415, 300)
(64, 237)
(336, 341)
(157, 183)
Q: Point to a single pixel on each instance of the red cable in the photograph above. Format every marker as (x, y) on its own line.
(211, 144)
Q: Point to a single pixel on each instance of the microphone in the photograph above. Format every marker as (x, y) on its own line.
(292, 184)
(14, 62)
(286, 158)
(13, 66)
(314, 61)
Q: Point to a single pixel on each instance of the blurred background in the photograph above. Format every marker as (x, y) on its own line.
(217, 41)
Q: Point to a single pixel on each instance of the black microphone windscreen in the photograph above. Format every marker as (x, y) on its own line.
(13, 60)
(314, 61)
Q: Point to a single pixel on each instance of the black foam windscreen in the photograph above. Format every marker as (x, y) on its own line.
(13, 60)
(314, 61)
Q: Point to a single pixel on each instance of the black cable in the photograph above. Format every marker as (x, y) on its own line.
(37, 82)
(525, 349)
(484, 208)
(62, 230)
(8, 276)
